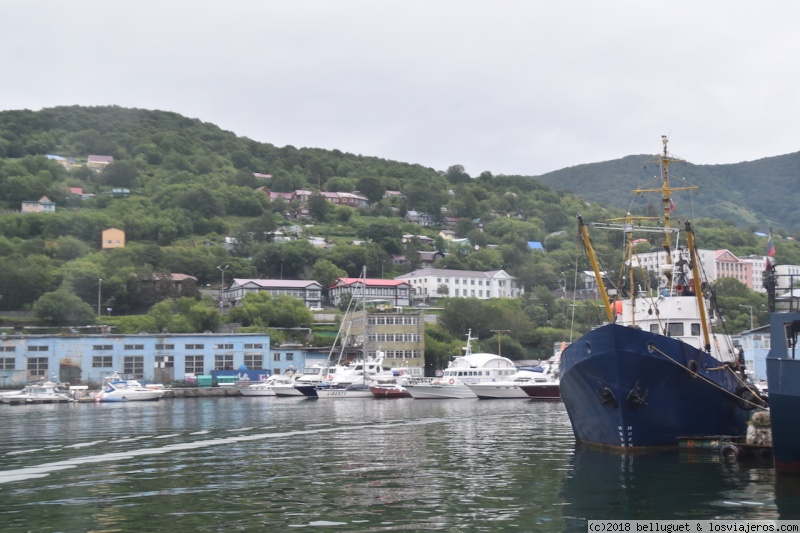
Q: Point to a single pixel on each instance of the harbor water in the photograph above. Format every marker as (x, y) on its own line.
(292, 464)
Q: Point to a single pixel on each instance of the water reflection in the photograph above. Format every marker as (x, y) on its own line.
(666, 486)
(356, 465)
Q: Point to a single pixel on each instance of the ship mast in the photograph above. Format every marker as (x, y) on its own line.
(664, 161)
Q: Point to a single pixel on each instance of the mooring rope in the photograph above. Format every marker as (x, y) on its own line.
(723, 389)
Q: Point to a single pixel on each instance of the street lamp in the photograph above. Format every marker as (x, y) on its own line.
(751, 314)
(221, 286)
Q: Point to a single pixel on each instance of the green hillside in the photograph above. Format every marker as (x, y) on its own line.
(755, 194)
(194, 199)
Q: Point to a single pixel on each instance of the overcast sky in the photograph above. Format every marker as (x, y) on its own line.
(512, 87)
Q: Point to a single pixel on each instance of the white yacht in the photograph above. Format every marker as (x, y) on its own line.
(116, 389)
(507, 388)
(46, 392)
(463, 371)
(267, 387)
(304, 384)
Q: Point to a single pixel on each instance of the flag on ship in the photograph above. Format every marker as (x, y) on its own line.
(770, 245)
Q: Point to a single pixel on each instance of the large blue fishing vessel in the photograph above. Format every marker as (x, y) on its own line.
(654, 371)
(783, 371)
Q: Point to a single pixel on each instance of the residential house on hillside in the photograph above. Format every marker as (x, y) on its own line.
(310, 292)
(229, 243)
(302, 196)
(423, 219)
(440, 283)
(64, 162)
(285, 196)
(99, 162)
(395, 292)
(423, 239)
(113, 238)
(427, 259)
(346, 198)
(447, 234)
(42, 205)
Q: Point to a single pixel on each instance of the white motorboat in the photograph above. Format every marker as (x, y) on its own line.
(508, 388)
(353, 380)
(464, 370)
(116, 389)
(46, 392)
(266, 387)
(544, 387)
(539, 382)
(354, 390)
(304, 384)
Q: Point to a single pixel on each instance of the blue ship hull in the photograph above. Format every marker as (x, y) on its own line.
(783, 378)
(628, 388)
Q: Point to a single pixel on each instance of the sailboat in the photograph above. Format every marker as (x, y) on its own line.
(654, 372)
(352, 380)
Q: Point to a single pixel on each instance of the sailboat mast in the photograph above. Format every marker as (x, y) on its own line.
(365, 317)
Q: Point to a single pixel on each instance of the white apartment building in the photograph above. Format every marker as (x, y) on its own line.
(654, 260)
(786, 274)
(441, 283)
(723, 264)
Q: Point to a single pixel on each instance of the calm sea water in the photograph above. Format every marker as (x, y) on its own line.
(285, 464)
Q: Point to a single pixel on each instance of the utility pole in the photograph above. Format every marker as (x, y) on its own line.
(99, 293)
(221, 286)
(500, 339)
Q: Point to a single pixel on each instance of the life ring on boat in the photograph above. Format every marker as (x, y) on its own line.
(451, 381)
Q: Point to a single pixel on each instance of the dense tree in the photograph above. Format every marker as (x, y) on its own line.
(120, 174)
(319, 207)
(457, 174)
(372, 188)
(263, 310)
(62, 308)
(185, 315)
(326, 273)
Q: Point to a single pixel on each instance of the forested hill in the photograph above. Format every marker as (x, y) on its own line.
(196, 200)
(755, 194)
